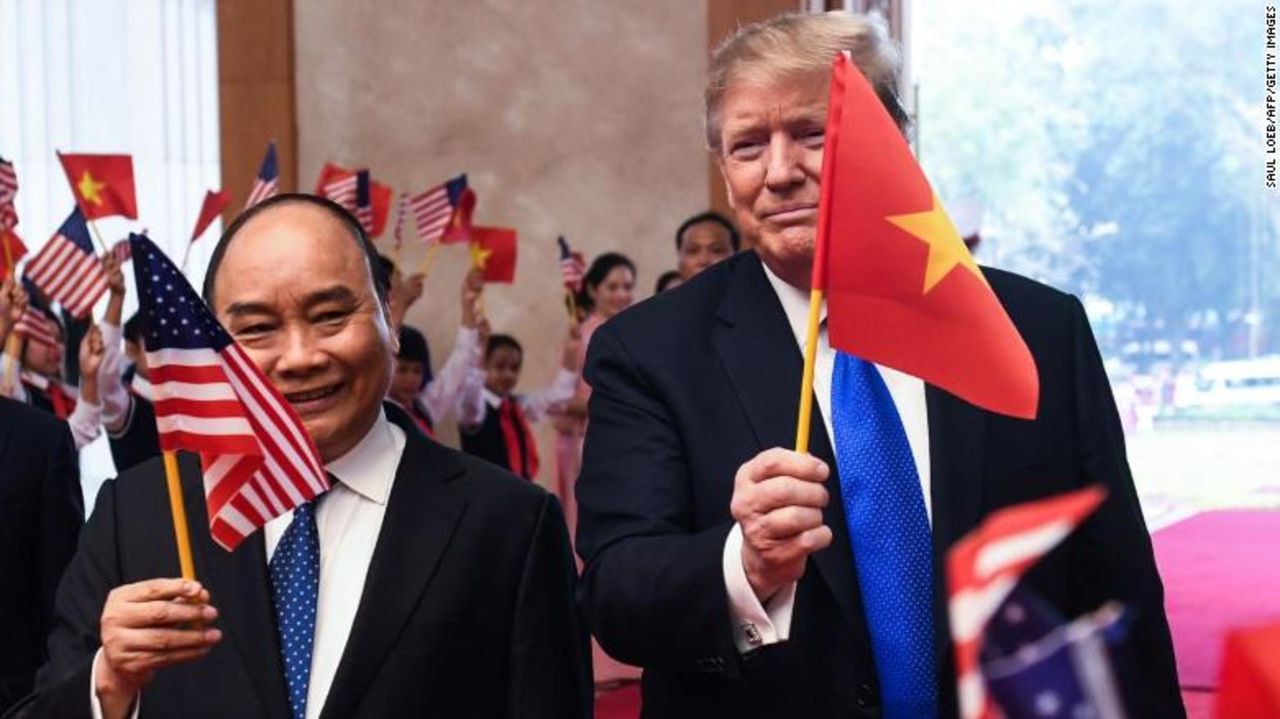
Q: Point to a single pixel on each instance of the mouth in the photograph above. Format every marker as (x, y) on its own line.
(792, 214)
(311, 401)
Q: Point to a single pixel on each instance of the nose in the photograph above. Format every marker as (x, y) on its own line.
(300, 355)
(783, 169)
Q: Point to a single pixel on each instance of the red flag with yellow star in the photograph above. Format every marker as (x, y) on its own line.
(902, 290)
(102, 184)
(493, 251)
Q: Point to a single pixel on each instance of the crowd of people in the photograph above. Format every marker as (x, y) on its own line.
(436, 581)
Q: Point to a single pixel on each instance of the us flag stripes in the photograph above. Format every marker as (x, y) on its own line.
(267, 183)
(210, 398)
(984, 567)
(364, 202)
(36, 326)
(434, 209)
(8, 182)
(66, 269)
(343, 192)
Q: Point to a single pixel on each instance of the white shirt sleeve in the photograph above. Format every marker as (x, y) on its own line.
(441, 394)
(86, 422)
(95, 706)
(470, 405)
(535, 404)
(755, 625)
(115, 398)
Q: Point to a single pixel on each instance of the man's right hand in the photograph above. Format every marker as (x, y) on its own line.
(148, 626)
(778, 499)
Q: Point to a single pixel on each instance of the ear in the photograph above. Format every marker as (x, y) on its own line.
(728, 193)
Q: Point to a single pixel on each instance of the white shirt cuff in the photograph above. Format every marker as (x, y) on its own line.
(85, 422)
(95, 706)
(755, 625)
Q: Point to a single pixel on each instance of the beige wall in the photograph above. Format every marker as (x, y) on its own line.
(569, 116)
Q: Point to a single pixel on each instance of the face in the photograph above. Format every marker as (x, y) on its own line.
(295, 290)
(407, 381)
(613, 294)
(771, 140)
(138, 357)
(502, 370)
(702, 245)
(43, 359)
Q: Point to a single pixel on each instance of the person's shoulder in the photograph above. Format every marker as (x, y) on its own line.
(33, 423)
(484, 481)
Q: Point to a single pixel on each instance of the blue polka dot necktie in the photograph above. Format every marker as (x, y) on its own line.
(295, 584)
(889, 530)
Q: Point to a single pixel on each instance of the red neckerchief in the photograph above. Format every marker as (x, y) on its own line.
(512, 421)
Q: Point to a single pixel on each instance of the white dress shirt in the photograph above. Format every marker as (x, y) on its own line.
(534, 404)
(115, 398)
(756, 624)
(459, 381)
(349, 519)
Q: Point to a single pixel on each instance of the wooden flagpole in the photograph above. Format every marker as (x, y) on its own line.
(806, 381)
(180, 529)
(429, 260)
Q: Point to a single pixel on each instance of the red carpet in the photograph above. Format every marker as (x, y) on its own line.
(1220, 571)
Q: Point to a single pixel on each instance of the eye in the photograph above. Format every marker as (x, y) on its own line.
(257, 329)
(746, 149)
(813, 137)
(330, 317)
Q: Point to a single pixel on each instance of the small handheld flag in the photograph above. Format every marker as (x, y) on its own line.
(380, 195)
(573, 266)
(8, 182)
(213, 205)
(364, 202)
(102, 184)
(210, 398)
(493, 252)
(443, 213)
(66, 268)
(267, 182)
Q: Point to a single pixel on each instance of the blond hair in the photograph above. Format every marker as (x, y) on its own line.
(799, 45)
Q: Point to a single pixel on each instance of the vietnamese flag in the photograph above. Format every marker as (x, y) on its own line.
(11, 250)
(213, 205)
(902, 290)
(493, 252)
(102, 184)
(463, 200)
(380, 194)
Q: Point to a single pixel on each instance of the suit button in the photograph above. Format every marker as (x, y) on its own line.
(866, 696)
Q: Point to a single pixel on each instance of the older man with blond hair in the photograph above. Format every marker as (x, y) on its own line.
(724, 564)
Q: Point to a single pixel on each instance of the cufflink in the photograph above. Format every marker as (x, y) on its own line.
(752, 635)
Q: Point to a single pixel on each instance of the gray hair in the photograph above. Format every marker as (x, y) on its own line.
(801, 45)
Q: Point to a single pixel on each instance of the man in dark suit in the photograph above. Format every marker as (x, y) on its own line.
(443, 586)
(723, 564)
(41, 511)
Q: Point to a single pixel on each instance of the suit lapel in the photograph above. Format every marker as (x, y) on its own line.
(422, 513)
(759, 352)
(238, 587)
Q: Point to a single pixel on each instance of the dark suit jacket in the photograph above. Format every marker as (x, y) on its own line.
(138, 440)
(41, 512)
(467, 610)
(691, 384)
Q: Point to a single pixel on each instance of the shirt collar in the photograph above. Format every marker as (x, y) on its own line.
(491, 398)
(370, 467)
(795, 304)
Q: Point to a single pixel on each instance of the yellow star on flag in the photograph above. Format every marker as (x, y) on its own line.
(479, 256)
(946, 249)
(90, 188)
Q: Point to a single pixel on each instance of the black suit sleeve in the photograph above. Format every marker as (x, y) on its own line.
(1113, 559)
(550, 651)
(62, 516)
(63, 684)
(653, 587)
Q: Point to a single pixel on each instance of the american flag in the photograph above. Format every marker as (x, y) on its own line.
(433, 209)
(36, 326)
(66, 268)
(984, 567)
(267, 183)
(364, 202)
(8, 182)
(259, 462)
(402, 207)
(343, 192)
(123, 250)
(573, 266)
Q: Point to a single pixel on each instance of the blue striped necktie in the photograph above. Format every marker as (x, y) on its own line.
(889, 530)
(295, 585)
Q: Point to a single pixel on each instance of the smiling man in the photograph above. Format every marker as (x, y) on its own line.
(445, 585)
(724, 564)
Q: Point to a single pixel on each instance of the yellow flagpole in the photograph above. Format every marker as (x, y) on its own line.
(573, 306)
(806, 381)
(101, 245)
(429, 260)
(181, 532)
